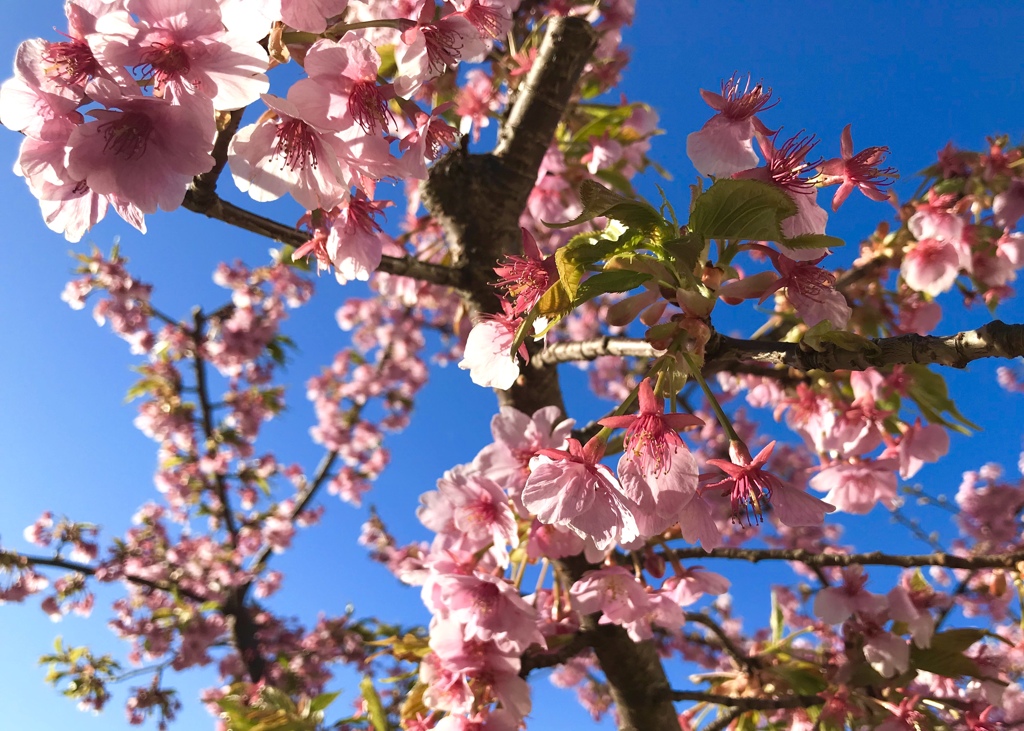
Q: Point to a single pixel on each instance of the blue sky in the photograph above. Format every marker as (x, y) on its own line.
(912, 76)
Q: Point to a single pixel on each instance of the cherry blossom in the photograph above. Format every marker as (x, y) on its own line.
(284, 153)
(723, 145)
(751, 489)
(859, 171)
(183, 47)
(572, 488)
(140, 149)
(785, 167)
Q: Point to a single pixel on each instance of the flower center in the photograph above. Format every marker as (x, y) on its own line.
(295, 144)
(164, 62)
(788, 164)
(443, 48)
(128, 135)
(369, 108)
(71, 61)
(489, 21)
(742, 104)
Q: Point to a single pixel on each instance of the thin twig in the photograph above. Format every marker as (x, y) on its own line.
(747, 703)
(22, 559)
(742, 659)
(206, 415)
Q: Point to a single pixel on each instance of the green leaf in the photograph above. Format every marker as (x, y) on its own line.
(584, 250)
(569, 272)
(374, 708)
(599, 201)
(612, 280)
(813, 241)
(686, 250)
(928, 390)
(605, 120)
(741, 209)
(945, 654)
(959, 639)
(322, 701)
(285, 257)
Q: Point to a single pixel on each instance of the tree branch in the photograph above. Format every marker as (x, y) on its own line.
(874, 558)
(536, 658)
(21, 559)
(747, 703)
(206, 415)
(405, 266)
(478, 199)
(742, 659)
(319, 478)
(994, 340)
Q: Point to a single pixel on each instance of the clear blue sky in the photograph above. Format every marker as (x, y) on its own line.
(912, 76)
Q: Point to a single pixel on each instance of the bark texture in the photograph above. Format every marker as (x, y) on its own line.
(478, 200)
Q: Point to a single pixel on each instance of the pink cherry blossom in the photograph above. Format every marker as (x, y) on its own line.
(859, 171)
(140, 149)
(488, 353)
(836, 604)
(723, 145)
(931, 266)
(1008, 206)
(480, 513)
(784, 168)
(284, 153)
(618, 596)
(354, 245)
(428, 48)
(888, 654)
(856, 487)
(492, 18)
(517, 439)
(573, 489)
(526, 279)
(651, 434)
(342, 88)
(34, 104)
(477, 100)
(484, 661)
(489, 609)
(918, 445)
(426, 142)
(656, 494)
(698, 525)
(183, 47)
(935, 220)
(810, 289)
(309, 15)
(752, 488)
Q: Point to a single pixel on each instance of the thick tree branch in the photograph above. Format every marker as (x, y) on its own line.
(874, 558)
(405, 266)
(478, 200)
(994, 340)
